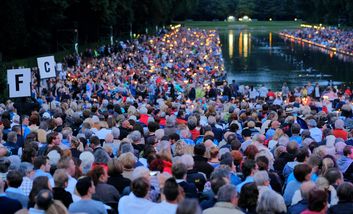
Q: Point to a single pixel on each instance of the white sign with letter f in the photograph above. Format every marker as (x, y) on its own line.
(19, 81)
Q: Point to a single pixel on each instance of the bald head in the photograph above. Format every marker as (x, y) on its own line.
(275, 124)
(305, 188)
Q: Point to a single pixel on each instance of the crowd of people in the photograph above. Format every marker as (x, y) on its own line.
(152, 126)
(331, 37)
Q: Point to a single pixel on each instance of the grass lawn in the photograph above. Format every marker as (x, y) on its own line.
(253, 25)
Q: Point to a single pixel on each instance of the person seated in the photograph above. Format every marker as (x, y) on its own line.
(8, 205)
(179, 171)
(227, 201)
(85, 188)
(345, 199)
(171, 195)
(61, 180)
(302, 205)
(14, 180)
(317, 202)
(136, 202)
(344, 163)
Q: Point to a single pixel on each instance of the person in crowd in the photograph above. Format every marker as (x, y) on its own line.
(317, 202)
(41, 167)
(14, 180)
(345, 163)
(345, 196)
(39, 183)
(249, 168)
(136, 201)
(302, 172)
(180, 172)
(189, 206)
(302, 205)
(27, 172)
(8, 205)
(271, 202)
(104, 192)
(61, 180)
(85, 188)
(172, 195)
(248, 198)
(227, 201)
(115, 170)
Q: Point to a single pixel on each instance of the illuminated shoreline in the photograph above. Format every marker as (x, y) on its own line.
(334, 50)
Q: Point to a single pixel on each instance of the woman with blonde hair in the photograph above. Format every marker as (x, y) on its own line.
(274, 141)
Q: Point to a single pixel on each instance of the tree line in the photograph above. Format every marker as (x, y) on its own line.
(33, 27)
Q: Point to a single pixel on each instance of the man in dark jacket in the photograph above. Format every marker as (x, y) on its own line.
(345, 199)
(179, 171)
(201, 164)
(61, 180)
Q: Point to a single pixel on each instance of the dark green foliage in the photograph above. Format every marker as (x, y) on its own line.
(37, 27)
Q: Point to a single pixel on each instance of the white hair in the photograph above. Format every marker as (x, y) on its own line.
(271, 202)
(188, 160)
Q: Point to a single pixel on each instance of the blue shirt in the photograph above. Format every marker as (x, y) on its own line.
(40, 172)
(248, 179)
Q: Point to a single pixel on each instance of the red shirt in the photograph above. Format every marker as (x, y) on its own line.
(340, 133)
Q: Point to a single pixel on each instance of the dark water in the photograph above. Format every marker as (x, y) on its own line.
(265, 58)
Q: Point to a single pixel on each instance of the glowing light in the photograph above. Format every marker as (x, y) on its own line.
(231, 43)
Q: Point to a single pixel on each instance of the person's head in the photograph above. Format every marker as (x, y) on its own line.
(14, 178)
(246, 133)
(302, 154)
(140, 187)
(85, 186)
(348, 151)
(249, 168)
(334, 176)
(248, 195)
(44, 199)
(295, 128)
(114, 167)
(26, 169)
(271, 202)
(68, 164)
(171, 190)
(251, 151)
(12, 137)
(345, 192)
(95, 142)
(42, 162)
(61, 178)
(179, 170)
(57, 207)
(261, 178)
(189, 206)
(302, 172)
(98, 175)
(200, 149)
(39, 183)
(188, 160)
(53, 138)
(305, 188)
(217, 182)
(128, 160)
(228, 193)
(262, 162)
(317, 200)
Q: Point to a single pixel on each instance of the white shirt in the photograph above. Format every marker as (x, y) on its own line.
(316, 134)
(163, 208)
(131, 204)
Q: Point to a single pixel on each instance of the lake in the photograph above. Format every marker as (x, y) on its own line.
(262, 57)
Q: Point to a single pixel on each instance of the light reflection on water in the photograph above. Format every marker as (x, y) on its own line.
(265, 58)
